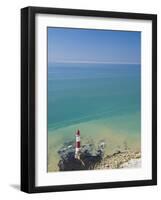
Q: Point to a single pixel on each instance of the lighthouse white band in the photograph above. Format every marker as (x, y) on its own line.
(77, 138)
(77, 149)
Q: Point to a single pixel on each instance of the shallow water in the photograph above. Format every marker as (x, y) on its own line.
(102, 100)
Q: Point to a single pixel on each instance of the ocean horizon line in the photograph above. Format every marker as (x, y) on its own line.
(92, 62)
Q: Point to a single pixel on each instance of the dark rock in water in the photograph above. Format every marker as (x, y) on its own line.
(69, 165)
(89, 156)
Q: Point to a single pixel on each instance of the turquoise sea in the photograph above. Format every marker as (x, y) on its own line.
(102, 100)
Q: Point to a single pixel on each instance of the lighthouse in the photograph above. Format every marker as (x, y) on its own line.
(77, 145)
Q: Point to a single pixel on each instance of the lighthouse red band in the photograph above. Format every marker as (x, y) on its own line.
(77, 146)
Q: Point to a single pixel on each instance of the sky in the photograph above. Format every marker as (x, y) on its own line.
(93, 46)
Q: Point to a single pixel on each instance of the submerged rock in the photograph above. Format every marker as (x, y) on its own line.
(89, 156)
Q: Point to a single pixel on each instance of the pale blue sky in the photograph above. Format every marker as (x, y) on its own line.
(86, 45)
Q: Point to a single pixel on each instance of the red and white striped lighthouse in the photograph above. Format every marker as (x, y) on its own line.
(77, 145)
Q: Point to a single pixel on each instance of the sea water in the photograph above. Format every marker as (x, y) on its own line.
(102, 100)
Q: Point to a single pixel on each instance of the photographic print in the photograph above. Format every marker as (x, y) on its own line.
(94, 99)
(88, 99)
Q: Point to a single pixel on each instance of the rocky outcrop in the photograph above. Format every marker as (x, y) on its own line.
(118, 160)
(133, 163)
(92, 157)
(89, 156)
